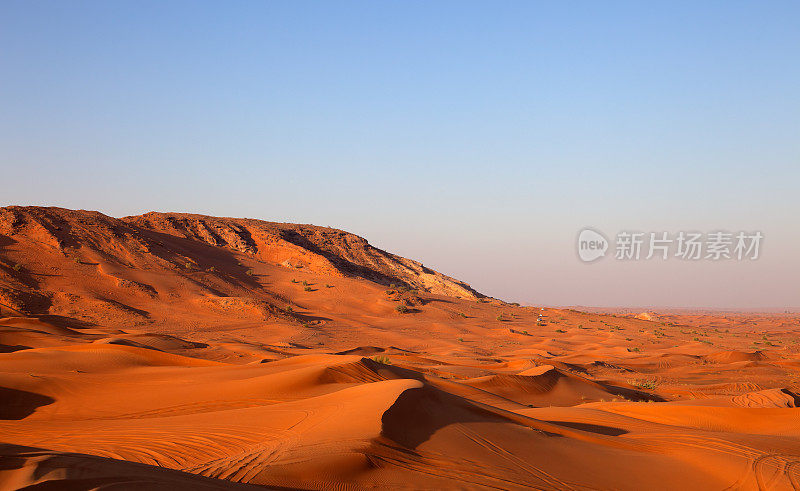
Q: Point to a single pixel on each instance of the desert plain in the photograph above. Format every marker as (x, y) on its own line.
(176, 351)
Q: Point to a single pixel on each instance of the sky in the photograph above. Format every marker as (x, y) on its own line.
(476, 137)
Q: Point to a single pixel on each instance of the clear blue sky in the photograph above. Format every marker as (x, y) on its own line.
(478, 137)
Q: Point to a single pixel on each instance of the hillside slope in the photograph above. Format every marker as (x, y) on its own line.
(52, 259)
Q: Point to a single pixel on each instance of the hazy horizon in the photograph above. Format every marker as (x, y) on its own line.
(476, 138)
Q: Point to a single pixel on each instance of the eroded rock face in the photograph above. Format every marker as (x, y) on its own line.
(319, 249)
(112, 260)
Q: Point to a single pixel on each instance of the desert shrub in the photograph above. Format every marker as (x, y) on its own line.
(560, 330)
(462, 314)
(328, 286)
(305, 283)
(401, 309)
(500, 317)
(651, 384)
(289, 308)
(17, 267)
(633, 350)
(294, 281)
(250, 272)
(308, 289)
(383, 359)
(212, 269)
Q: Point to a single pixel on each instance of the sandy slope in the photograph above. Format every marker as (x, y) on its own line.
(124, 369)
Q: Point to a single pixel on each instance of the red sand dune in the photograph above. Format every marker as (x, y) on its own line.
(172, 351)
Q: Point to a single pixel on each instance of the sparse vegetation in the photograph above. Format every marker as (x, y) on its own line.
(305, 283)
(560, 330)
(462, 314)
(382, 359)
(403, 309)
(308, 289)
(646, 384)
(17, 267)
(294, 281)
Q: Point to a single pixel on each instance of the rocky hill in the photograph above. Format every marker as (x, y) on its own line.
(51, 257)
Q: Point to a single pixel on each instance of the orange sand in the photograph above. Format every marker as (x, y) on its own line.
(176, 352)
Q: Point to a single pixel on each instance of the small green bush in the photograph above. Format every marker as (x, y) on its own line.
(401, 309)
(308, 289)
(382, 359)
(644, 384)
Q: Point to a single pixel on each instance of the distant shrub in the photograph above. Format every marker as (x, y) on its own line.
(308, 289)
(462, 314)
(305, 283)
(295, 281)
(402, 309)
(382, 359)
(644, 384)
(17, 267)
(500, 317)
(212, 269)
(460, 340)
(289, 308)
(561, 331)
(328, 286)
